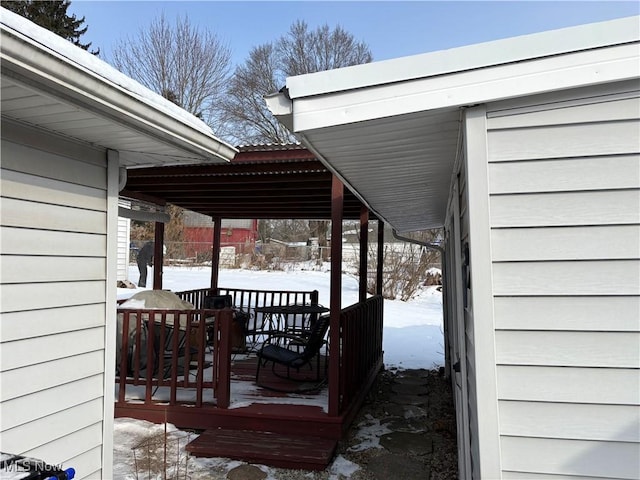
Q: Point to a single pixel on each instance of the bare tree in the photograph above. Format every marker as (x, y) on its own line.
(298, 52)
(406, 265)
(304, 51)
(285, 230)
(184, 64)
(246, 116)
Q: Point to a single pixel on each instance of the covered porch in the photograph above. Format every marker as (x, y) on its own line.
(219, 391)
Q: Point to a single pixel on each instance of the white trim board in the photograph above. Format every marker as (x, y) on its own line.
(482, 55)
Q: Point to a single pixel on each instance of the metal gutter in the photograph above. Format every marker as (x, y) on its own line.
(431, 246)
(281, 106)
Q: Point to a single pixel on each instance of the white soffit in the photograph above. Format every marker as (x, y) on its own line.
(400, 166)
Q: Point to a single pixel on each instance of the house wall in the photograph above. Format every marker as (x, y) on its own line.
(564, 178)
(54, 278)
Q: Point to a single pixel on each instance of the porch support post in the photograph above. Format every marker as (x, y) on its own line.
(158, 255)
(380, 260)
(335, 302)
(223, 358)
(215, 251)
(364, 251)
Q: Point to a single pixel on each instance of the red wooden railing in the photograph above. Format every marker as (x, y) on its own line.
(247, 300)
(361, 347)
(166, 355)
(166, 348)
(157, 358)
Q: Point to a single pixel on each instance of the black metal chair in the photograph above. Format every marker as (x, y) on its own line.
(294, 351)
(218, 302)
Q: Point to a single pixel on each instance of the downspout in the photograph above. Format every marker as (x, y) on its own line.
(122, 178)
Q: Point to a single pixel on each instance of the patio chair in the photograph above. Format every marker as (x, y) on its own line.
(294, 351)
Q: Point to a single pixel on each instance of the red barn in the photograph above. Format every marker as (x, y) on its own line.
(198, 233)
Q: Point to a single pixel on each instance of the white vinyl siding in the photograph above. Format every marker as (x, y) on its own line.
(124, 229)
(53, 278)
(564, 189)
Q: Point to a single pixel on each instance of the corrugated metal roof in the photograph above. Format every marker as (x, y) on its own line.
(270, 185)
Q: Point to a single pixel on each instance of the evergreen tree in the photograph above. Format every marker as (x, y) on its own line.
(52, 15)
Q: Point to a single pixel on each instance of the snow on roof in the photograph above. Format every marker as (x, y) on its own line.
(63, 49)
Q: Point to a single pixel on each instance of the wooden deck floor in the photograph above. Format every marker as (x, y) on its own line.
(275, 428)
(252, 407)
(266, 448)
(307, 379)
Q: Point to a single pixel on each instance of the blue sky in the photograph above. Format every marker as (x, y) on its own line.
(391, 29)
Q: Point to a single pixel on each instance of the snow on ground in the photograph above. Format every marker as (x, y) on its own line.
(412, 338)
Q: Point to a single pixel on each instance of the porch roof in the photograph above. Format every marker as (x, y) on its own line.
(262, 181)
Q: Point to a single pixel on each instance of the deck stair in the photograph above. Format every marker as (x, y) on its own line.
(265, 448)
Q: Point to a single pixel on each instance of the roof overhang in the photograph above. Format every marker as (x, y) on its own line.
(50, 84)
(391, 130)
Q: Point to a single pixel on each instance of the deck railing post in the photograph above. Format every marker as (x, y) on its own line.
(364, 251)
(337, 209)
(224, 318)
(158, 255)
(215, 251)
(150, 360)
(124, 364)
(380, 259)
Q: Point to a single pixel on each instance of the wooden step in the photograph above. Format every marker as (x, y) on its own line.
(265, 448)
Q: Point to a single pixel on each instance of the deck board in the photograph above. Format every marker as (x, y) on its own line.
(306, 380)
(266, 448)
